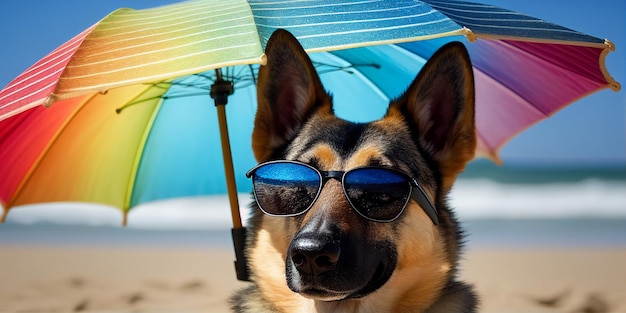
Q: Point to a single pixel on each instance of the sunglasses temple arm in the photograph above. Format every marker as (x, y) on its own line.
(419, 195)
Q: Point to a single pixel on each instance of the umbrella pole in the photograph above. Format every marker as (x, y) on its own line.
(220, 90)
(5, 212)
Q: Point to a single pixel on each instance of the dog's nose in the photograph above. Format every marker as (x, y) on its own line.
(314, 256)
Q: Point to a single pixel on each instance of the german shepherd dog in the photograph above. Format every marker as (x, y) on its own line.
(353, 217)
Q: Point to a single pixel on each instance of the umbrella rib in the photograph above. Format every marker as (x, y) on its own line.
(345, 69)
(363, 77)
(142, 145)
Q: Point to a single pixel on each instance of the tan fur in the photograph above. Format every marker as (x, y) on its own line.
(325, 155)
(267, 262)
(422, 266)
(363, 156)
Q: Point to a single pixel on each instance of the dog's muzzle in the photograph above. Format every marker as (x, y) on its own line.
(325, 264)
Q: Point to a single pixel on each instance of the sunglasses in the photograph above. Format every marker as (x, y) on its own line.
(289, 188)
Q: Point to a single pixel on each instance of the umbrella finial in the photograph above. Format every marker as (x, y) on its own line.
(613, 84)
(469, 34)
(50, 100)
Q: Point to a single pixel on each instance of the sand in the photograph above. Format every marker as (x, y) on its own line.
(190, 279)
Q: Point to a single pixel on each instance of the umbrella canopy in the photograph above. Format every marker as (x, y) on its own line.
(130, 121)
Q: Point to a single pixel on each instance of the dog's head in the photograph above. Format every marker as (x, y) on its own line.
(330, 252)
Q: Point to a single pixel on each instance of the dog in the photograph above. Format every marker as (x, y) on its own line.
(332, 251)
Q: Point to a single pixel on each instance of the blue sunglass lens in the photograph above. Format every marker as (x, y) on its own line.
(377, 193)
(285, 188)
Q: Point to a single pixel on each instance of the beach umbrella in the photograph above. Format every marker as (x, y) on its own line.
(121, 114)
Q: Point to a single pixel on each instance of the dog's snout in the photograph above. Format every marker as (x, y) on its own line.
(314, 256)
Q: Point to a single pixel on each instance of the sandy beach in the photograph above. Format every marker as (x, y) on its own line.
(195, 279)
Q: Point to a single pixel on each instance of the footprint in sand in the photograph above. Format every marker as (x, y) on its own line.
(77, 282)
(192, 285)
(594, 303)
(552, 301)
(135, 298)
(81, 306)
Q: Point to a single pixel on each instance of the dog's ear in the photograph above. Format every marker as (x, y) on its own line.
(439, 105)
(288, 92)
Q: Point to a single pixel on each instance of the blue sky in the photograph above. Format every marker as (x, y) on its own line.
(591, 131)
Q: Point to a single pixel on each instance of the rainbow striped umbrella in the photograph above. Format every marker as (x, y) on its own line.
(121, 114)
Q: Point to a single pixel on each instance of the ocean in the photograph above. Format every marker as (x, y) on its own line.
(503, 206)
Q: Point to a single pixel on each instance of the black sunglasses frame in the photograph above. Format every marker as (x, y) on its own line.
(416, 192)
